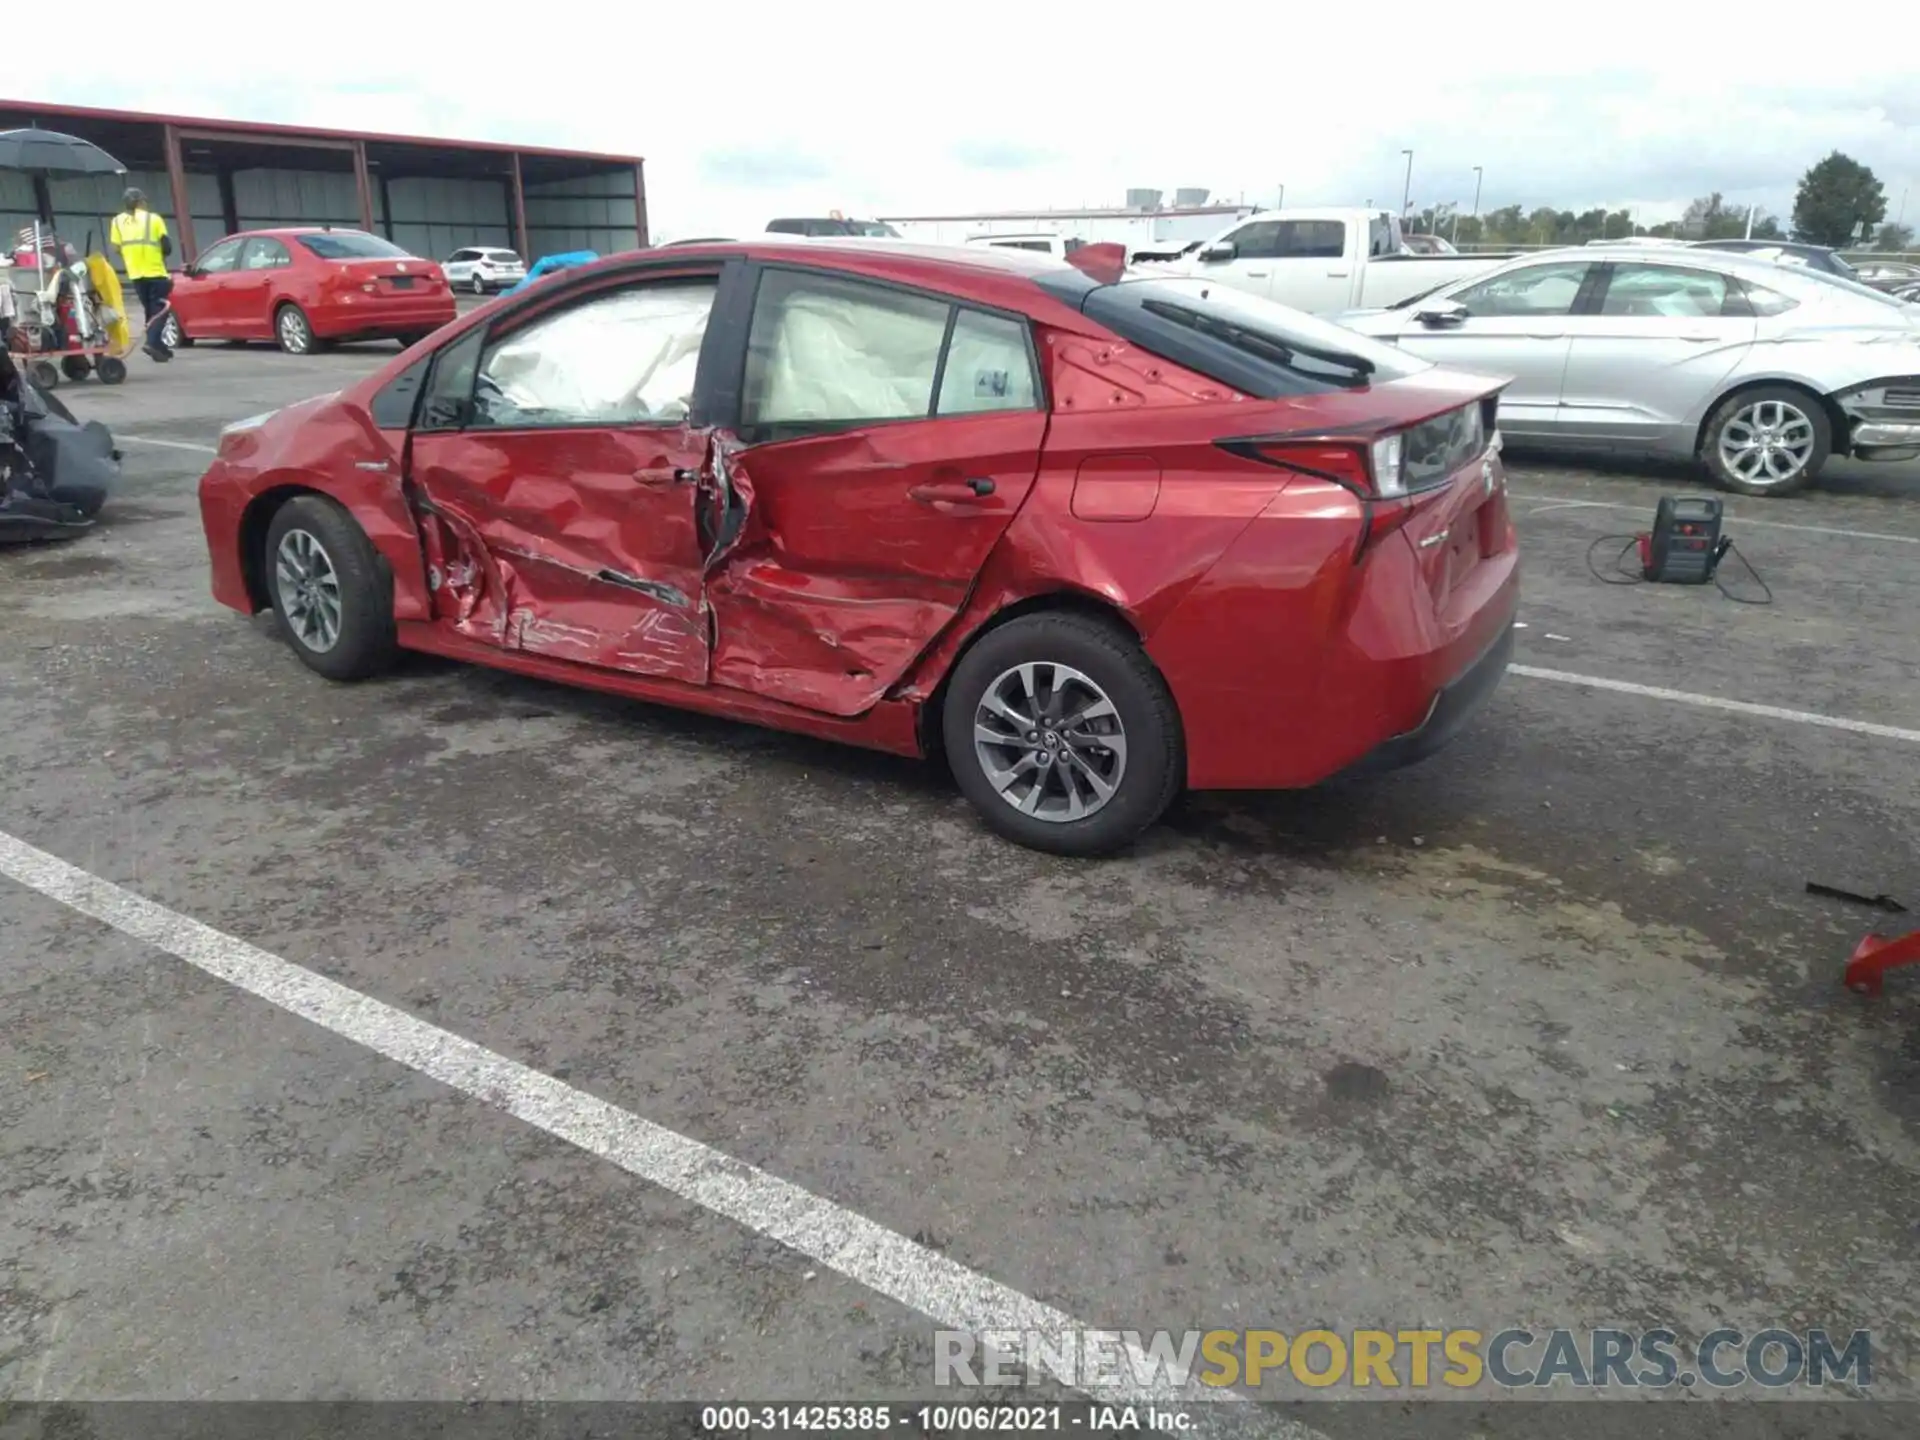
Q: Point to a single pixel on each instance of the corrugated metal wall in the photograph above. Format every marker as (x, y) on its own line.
(595, 214)
(433, 218)
(89, 203)
(268, 199)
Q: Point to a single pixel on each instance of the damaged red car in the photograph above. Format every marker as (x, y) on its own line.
(1094, 537)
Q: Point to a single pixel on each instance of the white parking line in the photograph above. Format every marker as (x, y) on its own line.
(944, 1291)
(1714, 702)
(1551, 503)
(170, 444)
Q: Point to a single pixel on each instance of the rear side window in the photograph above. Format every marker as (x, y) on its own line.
(826, 353)
(1241, 340)
(1668, 292)
(352, 245)
(1763, 301)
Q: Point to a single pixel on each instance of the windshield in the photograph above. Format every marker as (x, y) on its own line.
(1244, 341)
(352, 245)
(876, 228)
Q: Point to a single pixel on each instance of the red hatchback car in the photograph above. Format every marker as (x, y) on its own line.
(307, 287)
(1096, 538)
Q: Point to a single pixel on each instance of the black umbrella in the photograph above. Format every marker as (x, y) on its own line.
(48, 152)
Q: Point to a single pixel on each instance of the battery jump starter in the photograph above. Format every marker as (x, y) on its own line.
(1684, 547)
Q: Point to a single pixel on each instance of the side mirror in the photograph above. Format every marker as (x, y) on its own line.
(1225, 250)
(1441, 314)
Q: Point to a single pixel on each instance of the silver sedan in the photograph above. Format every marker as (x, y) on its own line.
(1760, 371)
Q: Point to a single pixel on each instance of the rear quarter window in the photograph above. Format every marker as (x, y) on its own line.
(1257, 347)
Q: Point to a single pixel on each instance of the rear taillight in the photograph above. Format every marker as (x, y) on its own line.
(1374, 471)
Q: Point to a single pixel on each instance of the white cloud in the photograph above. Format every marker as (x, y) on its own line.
(744, 110)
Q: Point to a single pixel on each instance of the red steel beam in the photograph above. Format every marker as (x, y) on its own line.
(256, 135)
(363, 183)
(520, 214)
(182, 197)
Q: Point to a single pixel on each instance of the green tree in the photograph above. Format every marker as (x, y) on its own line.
(1837, 196)
(1893, 237)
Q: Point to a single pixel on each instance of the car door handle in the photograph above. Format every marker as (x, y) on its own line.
(1256, 274)
(952, 492)
(1700, 339)
(660, 475)
(1337, 274)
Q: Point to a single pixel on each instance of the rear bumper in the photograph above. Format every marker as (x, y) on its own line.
(343, 319)
(1453, 706)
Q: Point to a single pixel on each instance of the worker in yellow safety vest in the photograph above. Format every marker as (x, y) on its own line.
(144, 246)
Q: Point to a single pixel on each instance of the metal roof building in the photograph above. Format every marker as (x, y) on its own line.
(208, 178)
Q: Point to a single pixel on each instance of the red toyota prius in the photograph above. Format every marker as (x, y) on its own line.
(304, 288)
(1095, 537)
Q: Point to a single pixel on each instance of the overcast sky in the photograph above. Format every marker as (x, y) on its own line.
(746, 111)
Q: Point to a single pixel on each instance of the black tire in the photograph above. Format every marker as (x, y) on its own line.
(111, 369)
(412, 338)
(173, 334)
(293, 332)
(76, 367)
(1799, 409)
(44, 373)
(1155, 751)
(364, 645)
(477, 285)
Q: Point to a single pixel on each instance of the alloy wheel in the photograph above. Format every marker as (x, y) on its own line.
(294, 337)
(1767, 443)
(308, 590)
(1050, 742)
(170, 332)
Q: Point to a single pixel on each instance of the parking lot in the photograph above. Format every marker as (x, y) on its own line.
(1546, 1031)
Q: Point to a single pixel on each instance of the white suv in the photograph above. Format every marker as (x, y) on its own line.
(481, 268)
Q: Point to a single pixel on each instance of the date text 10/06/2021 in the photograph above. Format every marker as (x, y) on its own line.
(984, 1417)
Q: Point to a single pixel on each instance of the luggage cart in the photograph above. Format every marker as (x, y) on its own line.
(67, 312)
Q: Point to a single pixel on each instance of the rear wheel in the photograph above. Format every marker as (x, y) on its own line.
(332, 598)
(172, 335)
(479, 285)
(292, 329)
(110, 369)
(1063, 735)
(45, 374)
(75, 367)
(1770, 440)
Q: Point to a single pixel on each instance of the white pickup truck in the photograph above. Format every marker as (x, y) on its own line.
(1321, 261)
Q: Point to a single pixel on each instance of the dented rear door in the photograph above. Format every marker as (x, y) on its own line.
(556, 466)
(886, 439)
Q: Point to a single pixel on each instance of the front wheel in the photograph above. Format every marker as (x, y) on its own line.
(1062, 734)
(171, 335)
(1770, 440)
(479, 285)
(332, 598)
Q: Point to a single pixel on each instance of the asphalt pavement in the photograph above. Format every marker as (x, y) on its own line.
(1545, 1031)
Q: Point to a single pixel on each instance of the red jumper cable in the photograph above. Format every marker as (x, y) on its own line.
(1876, 955)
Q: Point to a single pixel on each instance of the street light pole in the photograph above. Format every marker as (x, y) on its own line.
(1406, 195)
(1454, 238)
(1477, 178)
(1282, 203)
